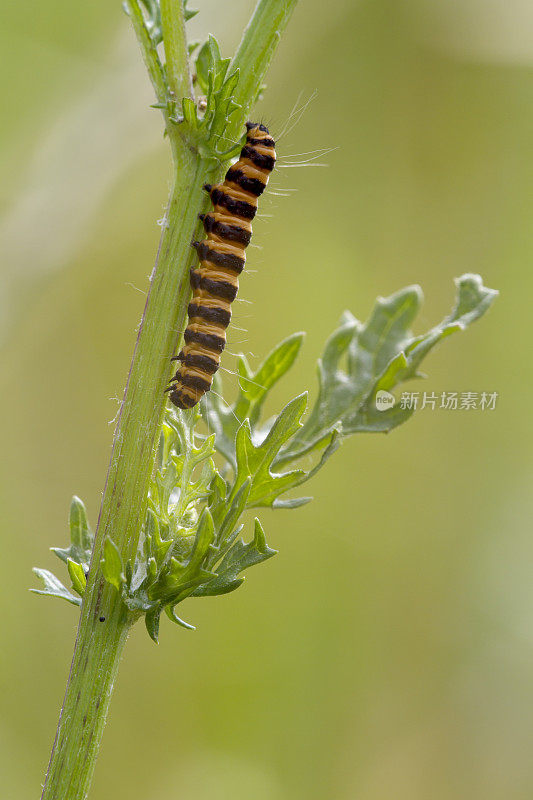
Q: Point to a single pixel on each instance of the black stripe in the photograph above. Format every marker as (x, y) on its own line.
(204, 363)
(210, 314)
(266, 142)
(182, 400)
(223, 289)
(195, 382)
(195, 278)
(239, 208)
(209, 340)
(231, 233)
(226, 260)
(259, 159)
(252, 185)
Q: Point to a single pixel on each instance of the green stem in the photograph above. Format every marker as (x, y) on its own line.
(149, 51)
(176, 50)
(255, 52)
(104, 624)
(99, 644)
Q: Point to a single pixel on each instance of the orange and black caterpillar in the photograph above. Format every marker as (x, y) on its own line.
(215, 281)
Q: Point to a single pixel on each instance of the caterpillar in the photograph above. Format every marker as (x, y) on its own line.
(215, 281)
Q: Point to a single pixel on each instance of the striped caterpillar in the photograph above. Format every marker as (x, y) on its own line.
(215, 281)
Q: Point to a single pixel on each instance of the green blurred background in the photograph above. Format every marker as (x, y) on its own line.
(387, 651)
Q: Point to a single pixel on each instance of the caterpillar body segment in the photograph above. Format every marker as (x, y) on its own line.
(215, 281)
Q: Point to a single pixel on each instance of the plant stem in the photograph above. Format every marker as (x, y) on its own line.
(176, 51)
(149, 51)
(104, 623)
(257, 47)
(99, 644)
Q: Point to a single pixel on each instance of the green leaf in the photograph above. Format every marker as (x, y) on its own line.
(191, 544)
(214, 52)
(329, 444)
(151, 620)
(153, 20)
(181, 577)
(221, 419)
(378, 356)
(292, 502)
(174, 617)
(155, 546)
(226, 515)
(203, 63)
(189, 13)
(189, 111)
(256, 459)
(193, 45)
(53, 587)
(239, 557)
(80, 532)
(210, 66)
(81, 537)
(256, 385)
(219, 88)
(473, 299)
(112, 568)
(203, 540)
(77, 576)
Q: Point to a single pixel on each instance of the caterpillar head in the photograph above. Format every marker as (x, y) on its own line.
(256, 130)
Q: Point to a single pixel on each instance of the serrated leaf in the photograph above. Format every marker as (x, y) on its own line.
(112, 568)
(210, 67)
(473, 299)
(379, 355)
(218, 87)
(255, 460)
(180, 578)
(241, 556)
(77, 576)
(155, 546)
(53, 587)
(191, 545)
(257, 457)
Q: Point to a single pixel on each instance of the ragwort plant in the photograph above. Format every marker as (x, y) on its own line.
(170, 525)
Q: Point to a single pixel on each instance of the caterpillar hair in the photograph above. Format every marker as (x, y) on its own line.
(215, 281)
